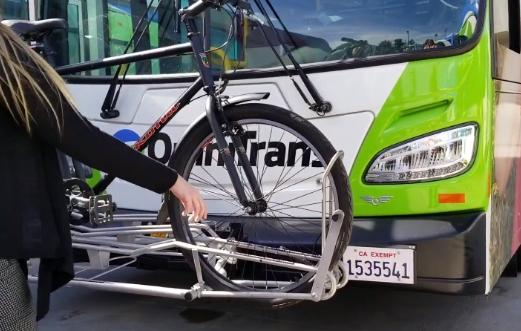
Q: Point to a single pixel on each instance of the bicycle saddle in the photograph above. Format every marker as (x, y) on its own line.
(23, 27)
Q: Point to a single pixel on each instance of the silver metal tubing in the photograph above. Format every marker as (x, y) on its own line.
(323, 273)
(255, 295)
(338, 155)
(151, 229)
(85, 229)
(246, 257)
(262, 283)
(124, 218)
(144, 215)
(167, 244)
(104, 241)
(114, 250)
(157, 291)
(166, 229)
(132, 242)
(122, 232)
(103, 246)
(260, 248)
(137, 229)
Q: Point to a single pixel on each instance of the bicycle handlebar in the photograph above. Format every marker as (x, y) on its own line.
(201, 5)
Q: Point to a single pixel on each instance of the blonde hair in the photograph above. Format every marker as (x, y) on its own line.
(19, 84)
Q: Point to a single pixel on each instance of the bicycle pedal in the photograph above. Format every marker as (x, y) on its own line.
(101, 209)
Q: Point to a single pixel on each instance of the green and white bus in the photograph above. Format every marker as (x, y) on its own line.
(431, 130)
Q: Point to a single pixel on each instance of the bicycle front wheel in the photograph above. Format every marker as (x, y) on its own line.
(288, 155)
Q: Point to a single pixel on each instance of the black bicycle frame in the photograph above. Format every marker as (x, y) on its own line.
(206, 81)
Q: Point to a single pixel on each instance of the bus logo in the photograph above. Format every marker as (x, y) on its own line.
(376, 201)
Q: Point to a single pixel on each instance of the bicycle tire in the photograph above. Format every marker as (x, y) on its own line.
(202, 130)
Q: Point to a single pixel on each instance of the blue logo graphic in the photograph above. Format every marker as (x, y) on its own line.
(126, 135)
(129, 137)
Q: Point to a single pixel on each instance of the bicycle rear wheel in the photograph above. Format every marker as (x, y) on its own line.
(276, 141)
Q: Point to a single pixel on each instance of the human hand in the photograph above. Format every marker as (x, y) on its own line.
(190, 198)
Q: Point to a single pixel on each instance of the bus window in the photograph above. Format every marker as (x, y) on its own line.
(103, 28)
(231, 55)
(333, 30)
(73, 34)
(507, 41)
(344, 29)
(14, 10)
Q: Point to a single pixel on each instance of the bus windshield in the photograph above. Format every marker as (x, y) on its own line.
(327, 30)
(318, 31)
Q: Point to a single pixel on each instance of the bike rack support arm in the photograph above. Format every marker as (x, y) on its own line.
(335, 226)
(338, 155)
(157, 291)
(179, 49)
(105, 241)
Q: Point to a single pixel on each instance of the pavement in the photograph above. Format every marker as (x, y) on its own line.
(353, 308)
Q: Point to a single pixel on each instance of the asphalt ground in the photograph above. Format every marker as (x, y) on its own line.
(354, 308)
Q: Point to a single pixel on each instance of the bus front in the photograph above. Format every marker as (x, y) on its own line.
(434, 175)
(425, 105)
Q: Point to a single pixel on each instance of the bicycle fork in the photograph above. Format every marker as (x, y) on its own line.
(218, 129)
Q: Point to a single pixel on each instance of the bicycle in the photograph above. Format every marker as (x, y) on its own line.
(215, 251)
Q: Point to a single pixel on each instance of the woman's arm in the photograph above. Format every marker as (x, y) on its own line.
(83, 141)
(29, 92)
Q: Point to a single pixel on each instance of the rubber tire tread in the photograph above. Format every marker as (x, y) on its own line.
(201, 130)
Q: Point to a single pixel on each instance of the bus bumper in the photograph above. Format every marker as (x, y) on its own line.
(450, 248)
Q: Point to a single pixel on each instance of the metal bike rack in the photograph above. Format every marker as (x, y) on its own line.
(130, 242)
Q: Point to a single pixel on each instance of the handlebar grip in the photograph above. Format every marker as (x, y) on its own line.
(197, 8)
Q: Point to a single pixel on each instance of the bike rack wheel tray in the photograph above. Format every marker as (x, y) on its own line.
(130, 242)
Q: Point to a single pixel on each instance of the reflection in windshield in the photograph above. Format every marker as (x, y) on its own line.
(330, 30)
(14, 10)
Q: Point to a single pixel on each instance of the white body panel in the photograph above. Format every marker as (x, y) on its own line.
(356, 95)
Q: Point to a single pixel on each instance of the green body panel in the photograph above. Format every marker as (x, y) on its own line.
(432, 95)
(96, 177)
(466, 30)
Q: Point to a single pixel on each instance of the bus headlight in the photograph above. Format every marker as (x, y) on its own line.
(434, 156)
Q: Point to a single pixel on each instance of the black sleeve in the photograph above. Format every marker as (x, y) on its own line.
(83, 141)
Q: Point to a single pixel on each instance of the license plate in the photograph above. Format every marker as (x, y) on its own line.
(383, 265)
(159, 235)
